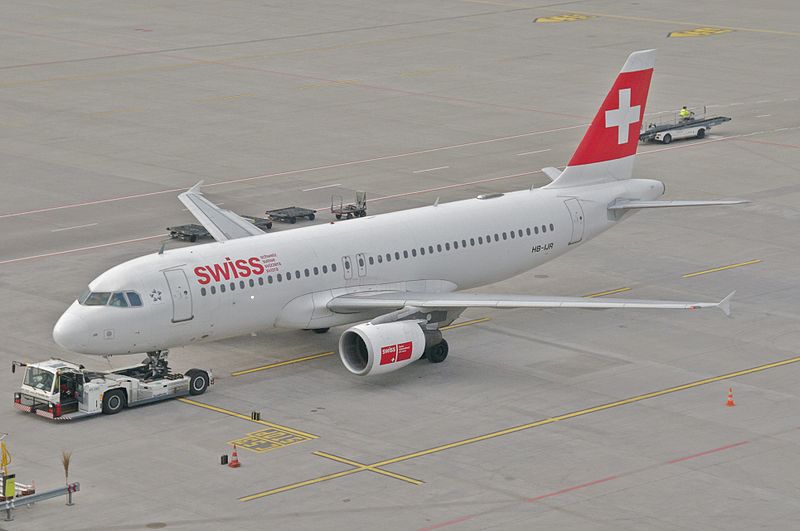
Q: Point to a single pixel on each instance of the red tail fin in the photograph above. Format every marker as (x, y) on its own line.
(614, 132)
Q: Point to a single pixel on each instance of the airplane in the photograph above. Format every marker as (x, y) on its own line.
(400, 275)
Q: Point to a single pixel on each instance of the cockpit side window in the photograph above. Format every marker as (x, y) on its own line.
(118, 300)
(98, 298)
(134, 298)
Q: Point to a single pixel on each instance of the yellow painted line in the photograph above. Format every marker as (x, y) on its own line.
(521, 427)
(325, 354)
(609, 292)
(283, 363)
(699, 32)
(466, 323)
(245, 417)
(369, 467)
(567, 17)
(683, 23)
(723, 268)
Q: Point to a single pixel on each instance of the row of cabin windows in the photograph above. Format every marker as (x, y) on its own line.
(279, 277)
(388, 256)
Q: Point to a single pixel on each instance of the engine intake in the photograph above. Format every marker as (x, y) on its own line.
(368, 349)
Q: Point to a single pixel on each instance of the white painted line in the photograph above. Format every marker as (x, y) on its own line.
(321, 187)
(75, 227)
(763, 115)
(737, 103)
(763, 101)
(533, 152)
(79, 249)
(791, 99)
(431, 169)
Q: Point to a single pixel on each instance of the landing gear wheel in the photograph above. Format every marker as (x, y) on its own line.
(293, 220)
(198, 382)
(320, 330)
(113, 402)
(701, 133)
(666, 139)
(338, 216)
(438, 352)
(311, 217)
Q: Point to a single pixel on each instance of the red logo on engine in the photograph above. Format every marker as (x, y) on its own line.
(388, 354)
(395, 353)
(404, 351)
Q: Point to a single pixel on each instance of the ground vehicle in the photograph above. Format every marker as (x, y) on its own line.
(666, 127)
(290, 214)
(349, 210)
(193, 232)
(61, 390)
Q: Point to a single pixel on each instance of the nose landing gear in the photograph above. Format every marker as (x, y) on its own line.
(156, 363)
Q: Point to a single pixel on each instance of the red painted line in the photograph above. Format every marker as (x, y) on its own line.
(89, 248)
(707, 452)
(571, 489)
(301, 170)
(447, 523)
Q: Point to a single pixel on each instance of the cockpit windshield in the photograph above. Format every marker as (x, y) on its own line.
(39, 379)
(119, 299)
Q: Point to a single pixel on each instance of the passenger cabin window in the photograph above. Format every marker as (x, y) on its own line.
(203, 292)
(552, 227)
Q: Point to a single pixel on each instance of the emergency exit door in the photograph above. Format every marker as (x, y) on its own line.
(181, 295)
(576, 213)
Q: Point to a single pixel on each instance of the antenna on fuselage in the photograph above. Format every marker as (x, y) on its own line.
(163, 244)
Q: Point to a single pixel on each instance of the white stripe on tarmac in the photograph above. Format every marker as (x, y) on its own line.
(432, 169)
(321, 187)
(75, 227)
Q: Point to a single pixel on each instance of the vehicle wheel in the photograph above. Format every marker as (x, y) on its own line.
(666, 139)
(193, 238)
(269, 225)
(320, 330)
(292, 219)
(311, 217)
(701, 133)
(438, 352)
(198, 382)
(113, 402)
(338, 216)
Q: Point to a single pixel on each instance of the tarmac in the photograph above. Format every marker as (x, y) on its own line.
(538, 419)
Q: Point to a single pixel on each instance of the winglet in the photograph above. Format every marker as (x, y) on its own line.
(725, 304)
(196, 188)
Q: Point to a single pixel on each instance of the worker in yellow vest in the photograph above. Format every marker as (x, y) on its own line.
(685, 114)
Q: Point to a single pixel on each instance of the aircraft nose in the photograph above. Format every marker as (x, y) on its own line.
(71, 332)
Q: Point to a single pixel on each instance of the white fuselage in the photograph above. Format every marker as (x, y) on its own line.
(285, 279)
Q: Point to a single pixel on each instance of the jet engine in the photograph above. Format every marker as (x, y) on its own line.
(368, 349)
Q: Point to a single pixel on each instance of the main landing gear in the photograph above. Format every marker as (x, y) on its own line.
(437, 353)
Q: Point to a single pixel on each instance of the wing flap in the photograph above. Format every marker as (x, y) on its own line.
(222, 224)
(394, 300)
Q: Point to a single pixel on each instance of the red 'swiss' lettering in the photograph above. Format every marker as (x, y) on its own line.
(388, 354)
(228, 269)
(395, 353)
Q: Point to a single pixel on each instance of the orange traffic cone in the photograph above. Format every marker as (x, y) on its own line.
(730, 398)
(234, 459)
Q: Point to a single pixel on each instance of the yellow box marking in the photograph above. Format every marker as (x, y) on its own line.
(369, 467)
(269, 439)
(566, 17)
(699, 32)
(609, 292)
(515, 429)
(466, 323)
(723, 268)
(248, 419)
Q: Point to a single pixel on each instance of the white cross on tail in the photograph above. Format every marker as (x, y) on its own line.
(624, 116)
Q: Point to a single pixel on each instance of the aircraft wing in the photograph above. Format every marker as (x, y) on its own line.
(396, 300)
(220, 223)
(631, 204)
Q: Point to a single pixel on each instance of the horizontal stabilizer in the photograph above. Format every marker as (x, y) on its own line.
(220, 223)
(624, 204)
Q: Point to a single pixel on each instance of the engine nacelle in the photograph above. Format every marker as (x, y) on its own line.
(368, 349)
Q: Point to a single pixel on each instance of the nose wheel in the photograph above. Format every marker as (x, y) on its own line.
(156, 364)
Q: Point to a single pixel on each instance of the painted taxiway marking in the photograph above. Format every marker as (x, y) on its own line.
(522, 427)
(75, 227)
(331, 353)
(248, 419)
(268, 439)
(533, 152)
(432, 169)
(321, 187)
(723, 268)
(763, 116)
(283, 363)
(609, 292)
(362, 466)
(699, 32)
(79, 249)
